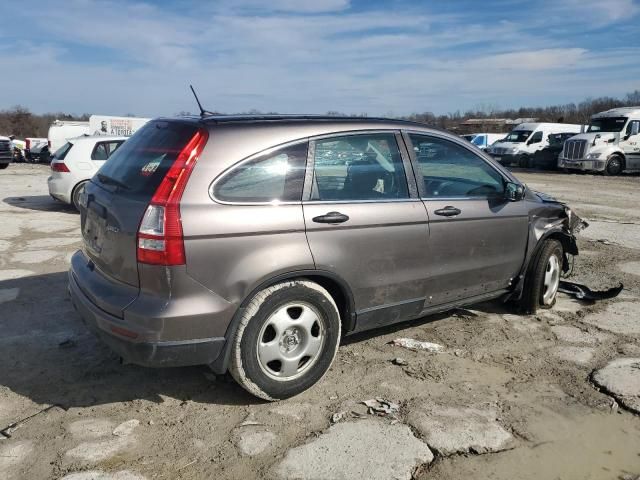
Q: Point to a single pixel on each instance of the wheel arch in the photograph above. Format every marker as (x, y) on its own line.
(569, 246)
(337, 287)
(75, 189)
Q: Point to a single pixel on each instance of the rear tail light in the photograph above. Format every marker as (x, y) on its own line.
(59, 167)
(160, 239)
(49, 144)
(27, 144)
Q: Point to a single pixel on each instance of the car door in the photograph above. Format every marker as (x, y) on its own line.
(630, 144)
(366, 224)
(477, 239)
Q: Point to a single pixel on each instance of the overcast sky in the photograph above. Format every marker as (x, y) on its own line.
(311, 56)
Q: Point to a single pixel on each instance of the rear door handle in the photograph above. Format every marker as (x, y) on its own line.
(331, 217)
(448, 211)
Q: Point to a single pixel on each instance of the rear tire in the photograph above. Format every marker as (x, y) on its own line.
(75, 196)
(3, 166)
(286, 341)
(541, 283)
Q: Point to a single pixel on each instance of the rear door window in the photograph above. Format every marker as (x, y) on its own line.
(358, 167)
(277, 176)
(140, 164)
(62, 152)
(103, 150)
(451, 170)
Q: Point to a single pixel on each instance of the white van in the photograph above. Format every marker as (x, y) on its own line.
(61, 130)
(518, 146)
(611, 144)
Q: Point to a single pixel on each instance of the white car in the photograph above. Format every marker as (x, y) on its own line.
(76, 162)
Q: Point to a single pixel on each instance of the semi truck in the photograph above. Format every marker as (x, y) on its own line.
(611, 144)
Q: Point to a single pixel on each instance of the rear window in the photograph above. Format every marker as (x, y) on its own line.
(62, 151)
(139, 164)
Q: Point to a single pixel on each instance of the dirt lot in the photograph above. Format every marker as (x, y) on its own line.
(508, 397)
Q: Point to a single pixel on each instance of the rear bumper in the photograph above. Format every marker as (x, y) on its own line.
(117, 334)
(581, 164)
(60, 188)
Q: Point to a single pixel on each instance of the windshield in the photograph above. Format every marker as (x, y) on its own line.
(607, 124)
(141, 163)
(517, 136)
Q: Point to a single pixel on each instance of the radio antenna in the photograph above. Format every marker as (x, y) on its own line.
(203, 112)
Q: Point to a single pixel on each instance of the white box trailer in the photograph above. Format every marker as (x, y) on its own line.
(118, 126)
(60, 131)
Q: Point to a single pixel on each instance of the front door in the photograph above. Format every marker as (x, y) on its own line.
(630, 145)
(477, 239)
(365, 226)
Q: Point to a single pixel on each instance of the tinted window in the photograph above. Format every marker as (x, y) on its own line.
(450, 170)
(536, 137)
(630, 126)
(62, 151)
(103, 150)
(359, 167)
(143, 160)
(275, 176)
(517, 136)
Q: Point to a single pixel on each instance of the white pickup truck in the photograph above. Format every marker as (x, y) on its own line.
(611, 144)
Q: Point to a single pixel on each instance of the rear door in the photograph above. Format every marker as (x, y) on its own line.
(366, 225)
(477, 239)
(118, 195)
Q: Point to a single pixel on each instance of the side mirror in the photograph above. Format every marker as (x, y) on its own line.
(514, 192)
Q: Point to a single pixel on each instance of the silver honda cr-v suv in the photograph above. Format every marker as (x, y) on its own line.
(253, 244)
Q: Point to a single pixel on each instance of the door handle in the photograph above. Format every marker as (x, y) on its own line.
(331, 217)
(448, 211)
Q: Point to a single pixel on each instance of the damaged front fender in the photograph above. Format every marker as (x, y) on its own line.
(550, 219)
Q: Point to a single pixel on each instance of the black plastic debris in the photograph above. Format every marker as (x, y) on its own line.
(582, 292)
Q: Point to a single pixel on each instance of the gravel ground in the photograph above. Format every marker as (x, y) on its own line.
(510, 396)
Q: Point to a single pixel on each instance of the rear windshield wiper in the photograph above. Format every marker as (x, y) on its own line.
(111, 181)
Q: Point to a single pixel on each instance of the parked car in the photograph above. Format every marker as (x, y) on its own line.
(523, 141)
(6, 152)
(485, 140)
(241, 243)
(611, 144)
(547, 158)
(76, 162)
(34, 149)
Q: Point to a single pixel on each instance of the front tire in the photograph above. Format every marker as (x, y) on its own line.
(543, 278)
(286, 341)
(615, 166)
(3, 166)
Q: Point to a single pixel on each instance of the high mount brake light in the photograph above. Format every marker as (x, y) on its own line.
(160, 240)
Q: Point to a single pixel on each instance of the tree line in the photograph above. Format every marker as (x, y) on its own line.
(19, 121)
